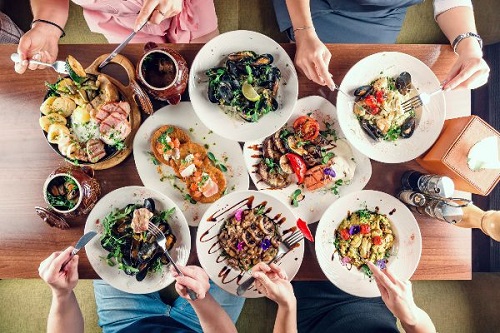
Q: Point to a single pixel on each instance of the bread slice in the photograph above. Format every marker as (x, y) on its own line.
(156, 147)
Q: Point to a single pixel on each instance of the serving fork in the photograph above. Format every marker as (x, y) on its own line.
(419, 100)
(59, 66)
(161, 241)
(284, 247)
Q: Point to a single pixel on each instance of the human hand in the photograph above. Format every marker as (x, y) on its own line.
(272, 281)
(41, 44)
(194, 278)
(61, 282)
(470, 70)
(396, 294)
(313, 57)
(156, 11)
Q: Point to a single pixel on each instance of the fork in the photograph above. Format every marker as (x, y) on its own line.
(284, 247)
(161, 241)
(419, 100)
(59, 66)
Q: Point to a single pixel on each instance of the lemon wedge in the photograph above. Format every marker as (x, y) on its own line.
(249, 92)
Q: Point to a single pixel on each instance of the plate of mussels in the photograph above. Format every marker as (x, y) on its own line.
(126, 254)
(374, 118)
(243, 85)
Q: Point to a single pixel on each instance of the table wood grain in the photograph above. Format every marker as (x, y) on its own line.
(26, 160)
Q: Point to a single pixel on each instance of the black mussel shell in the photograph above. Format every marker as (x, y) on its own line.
(403, 82)
(263, 59)
(408, 127)
(242, 56)
(372, 131)
(149, 204)
(225, 91)
(215, 71)
(212, 92)
(363, 91)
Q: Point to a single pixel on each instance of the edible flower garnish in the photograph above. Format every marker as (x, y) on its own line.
(265, 244)
(381, 264)
(329, 172)
(238, 214)
(354, 229)
(240, 245)
(345, 260)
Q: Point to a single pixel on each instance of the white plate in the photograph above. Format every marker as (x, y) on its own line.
(207, 238)
(406, 250)
(118, 199)
(314, 204)
(214, 53)
(152, 176)
(429, 121)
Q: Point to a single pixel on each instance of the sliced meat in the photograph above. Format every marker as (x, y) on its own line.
(316, 178)
(120, 107)
(269, 151)
(117, 133)
(140, 219)
(95, 150)
(111, 121)
(272, 178)
(278, 143)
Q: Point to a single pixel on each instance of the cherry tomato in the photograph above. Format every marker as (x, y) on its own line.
(307, 127)
(298, 166)
(374, 110)
(376, 240)
(371, 101)
(344, 233)
(380, 96)
(365, 228)
(302, 225)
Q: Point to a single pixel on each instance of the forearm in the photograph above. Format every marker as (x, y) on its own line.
(456, 21)
(65, 315)
(286, 319)
(212, 316)
(421, 323)
(300, 13)
(51, 10)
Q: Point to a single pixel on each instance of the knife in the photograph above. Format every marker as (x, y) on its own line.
(120, 47)
(81, 243)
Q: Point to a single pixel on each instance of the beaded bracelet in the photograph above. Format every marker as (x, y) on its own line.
(461, 37)
(51, 23)
(303, 28)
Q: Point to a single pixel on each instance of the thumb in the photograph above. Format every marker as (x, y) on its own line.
(23, 49)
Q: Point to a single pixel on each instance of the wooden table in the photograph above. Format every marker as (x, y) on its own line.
(26, 160)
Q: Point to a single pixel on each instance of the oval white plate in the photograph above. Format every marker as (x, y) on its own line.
(315, 203)
(226, 151)
(429, 122)
(405, 254)
(207, 239)
(214, 53)
(111, 274)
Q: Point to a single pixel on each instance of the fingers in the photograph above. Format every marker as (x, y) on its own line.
(468, 74)
(55, 266)
(263, 279)
(381, 278)
(23, 49)
(145, 13)
(279, 271)
(188, 282)
(71, 269)
(261, 267)
(323, 69)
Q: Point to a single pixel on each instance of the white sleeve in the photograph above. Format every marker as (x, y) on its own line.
(440, 6)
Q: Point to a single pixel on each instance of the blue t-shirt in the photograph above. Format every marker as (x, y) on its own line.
(159, 324)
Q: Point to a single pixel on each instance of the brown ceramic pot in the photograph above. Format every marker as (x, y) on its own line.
(163, 73)
(87, 186)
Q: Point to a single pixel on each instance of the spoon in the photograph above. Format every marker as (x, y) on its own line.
(59, 66)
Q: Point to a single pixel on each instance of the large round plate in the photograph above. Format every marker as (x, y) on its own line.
(405, 254)
(95, 252)
(430, 118)
(315, 203)
(214, 54)
(209, 252)
(160, 177)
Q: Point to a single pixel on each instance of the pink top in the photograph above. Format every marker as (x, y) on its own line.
(115, 20)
